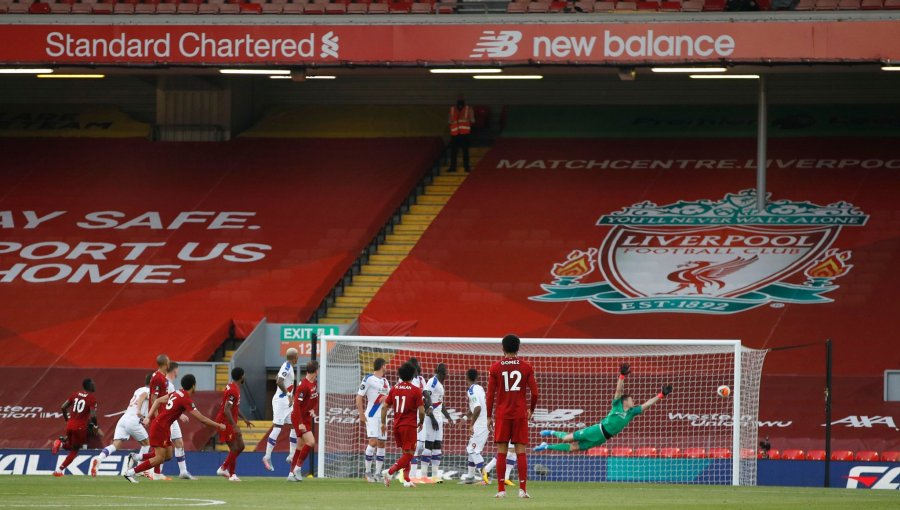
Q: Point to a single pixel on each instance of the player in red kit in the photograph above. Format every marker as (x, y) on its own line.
(170, 407)
(507, 383)
(306, 404)
(83, 406)
(158, 382)
(228, 416)
(409, 415)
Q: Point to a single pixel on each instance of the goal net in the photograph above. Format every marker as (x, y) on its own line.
(689, 437)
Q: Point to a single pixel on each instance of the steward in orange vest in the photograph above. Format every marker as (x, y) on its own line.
(461, 119)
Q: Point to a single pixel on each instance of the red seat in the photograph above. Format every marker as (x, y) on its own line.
(868, 456)
(773, 455)
(845, 455)
(621, 452)
(251, 8)
(647, 6)
(39, 8)
(720, 453)
(793, 455)
(670, 453)
(890, 456)
(598, 451)
(694, 453)
(871, 5)
(815, 455)
(714, 5)
(645, 451)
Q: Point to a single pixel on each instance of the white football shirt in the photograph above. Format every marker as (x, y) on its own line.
(476, 399)
(132, 409)
(437, 396)
(286, 372)
(375, 389)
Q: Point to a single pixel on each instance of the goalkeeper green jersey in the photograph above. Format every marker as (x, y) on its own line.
(617, 418)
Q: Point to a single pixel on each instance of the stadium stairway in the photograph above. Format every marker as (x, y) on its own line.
(397, 245)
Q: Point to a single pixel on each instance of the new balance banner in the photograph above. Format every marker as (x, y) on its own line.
(597, 43)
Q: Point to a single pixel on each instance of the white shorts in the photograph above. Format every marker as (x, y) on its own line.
(281, 411)
(430, 433)
(175, 431)
(477, 441)
(373, 428)
(130, 427)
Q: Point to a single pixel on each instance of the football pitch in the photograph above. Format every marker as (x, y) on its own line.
(115, 492)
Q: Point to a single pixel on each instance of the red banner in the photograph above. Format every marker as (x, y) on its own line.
(589, 43)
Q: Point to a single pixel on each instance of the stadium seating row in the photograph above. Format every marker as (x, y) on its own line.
(725, 453)
(397, 7)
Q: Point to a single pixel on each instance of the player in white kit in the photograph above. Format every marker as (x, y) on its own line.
(282, 404)
(175, 429)
(436, 416)
(129, 426)
(478, 429)
(372, 391)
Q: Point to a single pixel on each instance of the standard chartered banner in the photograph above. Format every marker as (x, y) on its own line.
(253, 42)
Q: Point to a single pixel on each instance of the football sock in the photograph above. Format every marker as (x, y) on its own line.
(293, 442)
(424, 462)
(501, 472)
(436, 457)
(370, 456)
(157, 469)
(109, 450)
(148, 455)
(144, 449)
(522, 463)
(182, 463)
(561, 447)
(490, 465)
(402, 463)
(233, 466)
(558, 434)
(227, 464)
(273, 438)
(470, 467)
(143, 466)
(379, 459)
(69, 458)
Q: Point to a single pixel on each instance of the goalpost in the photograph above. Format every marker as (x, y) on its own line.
(693, 436)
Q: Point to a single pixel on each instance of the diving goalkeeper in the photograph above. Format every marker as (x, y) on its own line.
(622, 412)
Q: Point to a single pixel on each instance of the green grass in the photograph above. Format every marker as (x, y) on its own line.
(115, 492)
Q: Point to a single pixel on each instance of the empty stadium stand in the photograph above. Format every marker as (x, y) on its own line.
(302, 209)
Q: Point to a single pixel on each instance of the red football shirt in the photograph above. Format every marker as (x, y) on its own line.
(179, 402)
(159, 386)
(306, 399)
(406, 400)
(507, 382)
(231, 395)
(80, 405)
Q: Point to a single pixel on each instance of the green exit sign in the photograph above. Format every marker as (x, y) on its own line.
(300, 332)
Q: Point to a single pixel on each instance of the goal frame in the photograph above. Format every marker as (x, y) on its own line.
(736, 455)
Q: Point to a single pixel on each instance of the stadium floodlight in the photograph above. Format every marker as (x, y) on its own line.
(18, 70)
(703, 442)
(255, 71)
(280, 77)
(322, 77)
(508, 77)
(724, 76)
(688, 70)
(74, 76)
(890, 68)
(462, 70)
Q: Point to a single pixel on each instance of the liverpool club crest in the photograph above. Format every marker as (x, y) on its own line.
(715, 257)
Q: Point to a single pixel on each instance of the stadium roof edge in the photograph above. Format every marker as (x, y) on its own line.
(458, 19)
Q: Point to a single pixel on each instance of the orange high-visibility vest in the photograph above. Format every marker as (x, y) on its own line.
(460, 121)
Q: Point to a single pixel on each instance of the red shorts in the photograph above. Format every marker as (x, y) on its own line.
(75, 439)
(227, 435)
(160, 437)
(307, 422)
(513, 430)
(405, 437)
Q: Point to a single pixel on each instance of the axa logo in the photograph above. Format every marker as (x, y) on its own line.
(330, 45)
(708, 256)
(497, 44)
(874, 477)
(867, 422)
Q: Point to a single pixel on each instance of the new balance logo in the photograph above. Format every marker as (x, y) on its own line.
(493, 44)
(329, 45)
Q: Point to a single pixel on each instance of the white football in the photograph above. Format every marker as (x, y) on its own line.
(723, 391)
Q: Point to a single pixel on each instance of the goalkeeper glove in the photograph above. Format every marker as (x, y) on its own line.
(624, 369)
(666, 389)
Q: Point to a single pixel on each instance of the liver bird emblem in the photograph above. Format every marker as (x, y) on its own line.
(702, 273)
